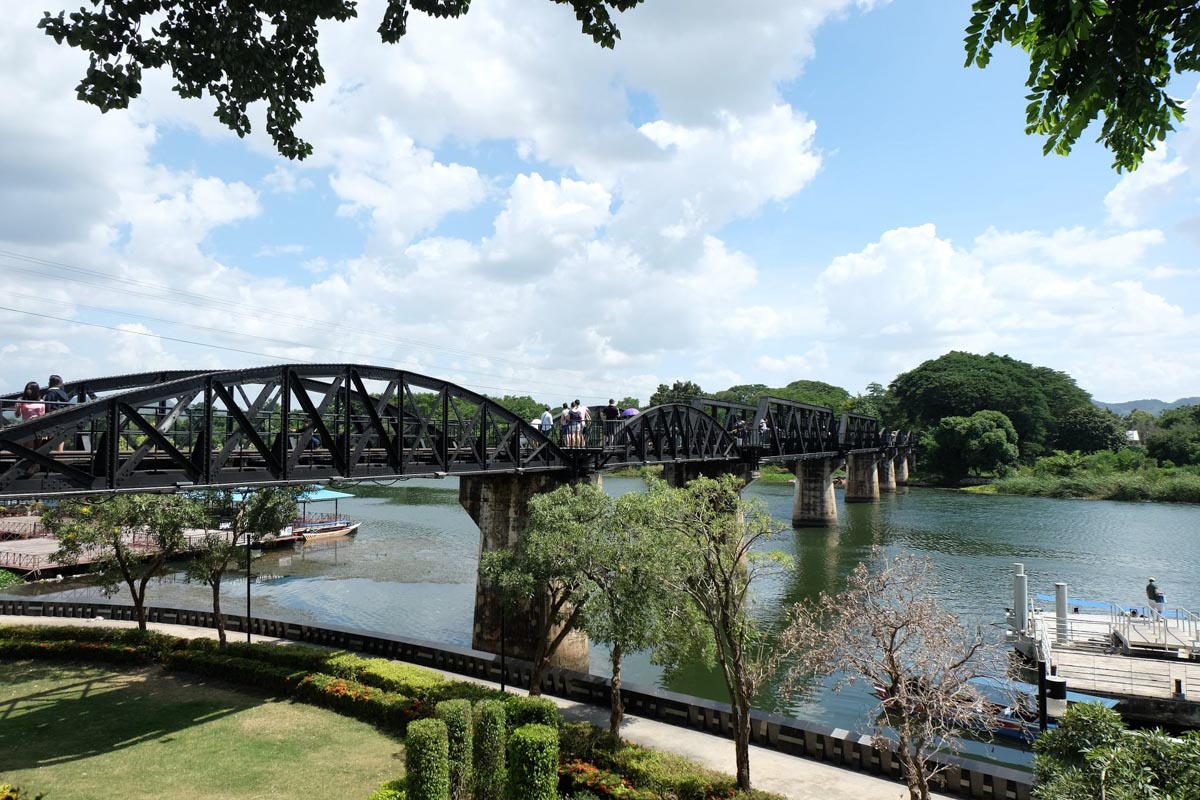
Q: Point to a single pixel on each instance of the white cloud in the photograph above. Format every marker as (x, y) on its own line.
(1139, 192)
(1029, 301)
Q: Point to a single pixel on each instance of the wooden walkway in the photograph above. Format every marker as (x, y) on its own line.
(1123, 676)
(36, 554)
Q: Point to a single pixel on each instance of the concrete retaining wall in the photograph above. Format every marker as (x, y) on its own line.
(964, 777)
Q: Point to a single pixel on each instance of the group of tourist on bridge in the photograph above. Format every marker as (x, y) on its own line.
(319, 423)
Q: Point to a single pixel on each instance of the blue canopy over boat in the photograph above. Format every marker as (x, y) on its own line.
(314, 494)
(319, 494)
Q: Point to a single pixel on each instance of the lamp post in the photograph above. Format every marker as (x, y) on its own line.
(247, 587)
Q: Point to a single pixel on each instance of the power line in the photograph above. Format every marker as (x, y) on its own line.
(202, 300)
(208, 345)
(370, 357)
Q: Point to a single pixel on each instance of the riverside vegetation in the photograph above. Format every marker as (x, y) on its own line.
(464, 740)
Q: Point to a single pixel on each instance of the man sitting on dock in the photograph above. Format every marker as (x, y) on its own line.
(1156, 598)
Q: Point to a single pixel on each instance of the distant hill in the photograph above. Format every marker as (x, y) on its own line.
(1152, 406)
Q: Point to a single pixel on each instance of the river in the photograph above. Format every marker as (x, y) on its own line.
(410, 571)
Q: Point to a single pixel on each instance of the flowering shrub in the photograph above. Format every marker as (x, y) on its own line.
(576, 775)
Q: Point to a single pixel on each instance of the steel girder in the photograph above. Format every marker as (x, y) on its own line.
(267, 425)
(668, 433)
(796, 430)
(728, 414)
(860, 432)
(315, 423)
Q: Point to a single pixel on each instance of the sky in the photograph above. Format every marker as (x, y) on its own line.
(750, 192)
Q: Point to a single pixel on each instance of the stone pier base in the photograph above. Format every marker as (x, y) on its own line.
(901, 461)
(887, 474)
(862, 478)
(499, 504)
(815, 504)
(679, 474)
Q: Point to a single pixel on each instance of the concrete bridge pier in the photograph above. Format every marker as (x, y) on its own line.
(862, 477)
(499, 504)
(901, 462)
(887, 474)
(815, 504)
(680, 473)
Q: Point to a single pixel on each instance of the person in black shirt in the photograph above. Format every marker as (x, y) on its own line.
(611, 413)
(55, 397)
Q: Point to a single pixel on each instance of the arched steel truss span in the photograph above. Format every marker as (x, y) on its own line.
(317, 423)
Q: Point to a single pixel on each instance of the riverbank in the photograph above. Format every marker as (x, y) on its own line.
(769, 473)
(1141, 486)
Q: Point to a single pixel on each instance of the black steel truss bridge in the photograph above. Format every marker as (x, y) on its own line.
(323, 423)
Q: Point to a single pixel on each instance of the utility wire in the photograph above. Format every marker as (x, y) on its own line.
(203, 300)
(209, 345)
(370, 357)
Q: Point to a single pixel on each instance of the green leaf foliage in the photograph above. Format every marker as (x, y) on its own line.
(245, 52)
(491, 743)
(1089, 429)
(983, 442)
(521, 710)
(427, 760)
(460, 730)
(1175, 436)
(677, 392)
(958, 384)
(533, 763)
(128, 538)
(1094, 59)
(1090, 754)
(392, 790)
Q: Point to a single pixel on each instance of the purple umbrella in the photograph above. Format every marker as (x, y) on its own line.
(630, 412)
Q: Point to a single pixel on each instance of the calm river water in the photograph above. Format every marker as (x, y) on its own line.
(410, 571)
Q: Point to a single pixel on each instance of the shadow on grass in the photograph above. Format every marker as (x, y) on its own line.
(78, 717)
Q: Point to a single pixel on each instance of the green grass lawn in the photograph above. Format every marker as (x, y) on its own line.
(81, 732)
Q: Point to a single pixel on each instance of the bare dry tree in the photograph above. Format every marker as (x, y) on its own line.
(887, 629)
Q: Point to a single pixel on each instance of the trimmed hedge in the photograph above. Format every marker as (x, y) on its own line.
(491, 743)
(392, 675)
(156, 645)
(427, 760)
(533, 763)
(460, 729)
(392, 790)
(577, 776)
(592, 761)
(524, 710)
(76, 651)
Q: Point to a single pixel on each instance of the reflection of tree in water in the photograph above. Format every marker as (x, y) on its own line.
(408, 495)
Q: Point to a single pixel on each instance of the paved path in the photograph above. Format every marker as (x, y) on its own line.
(793, 777)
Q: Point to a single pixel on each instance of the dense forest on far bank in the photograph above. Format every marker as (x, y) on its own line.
(1027, 429)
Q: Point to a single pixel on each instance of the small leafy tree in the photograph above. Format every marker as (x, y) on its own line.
(715, 538)
(1091, 754)
(626, 563)
(128, 538)
(255, 515)
(983, 442)
(545, 570)
(1089, 429)
(886, 628)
